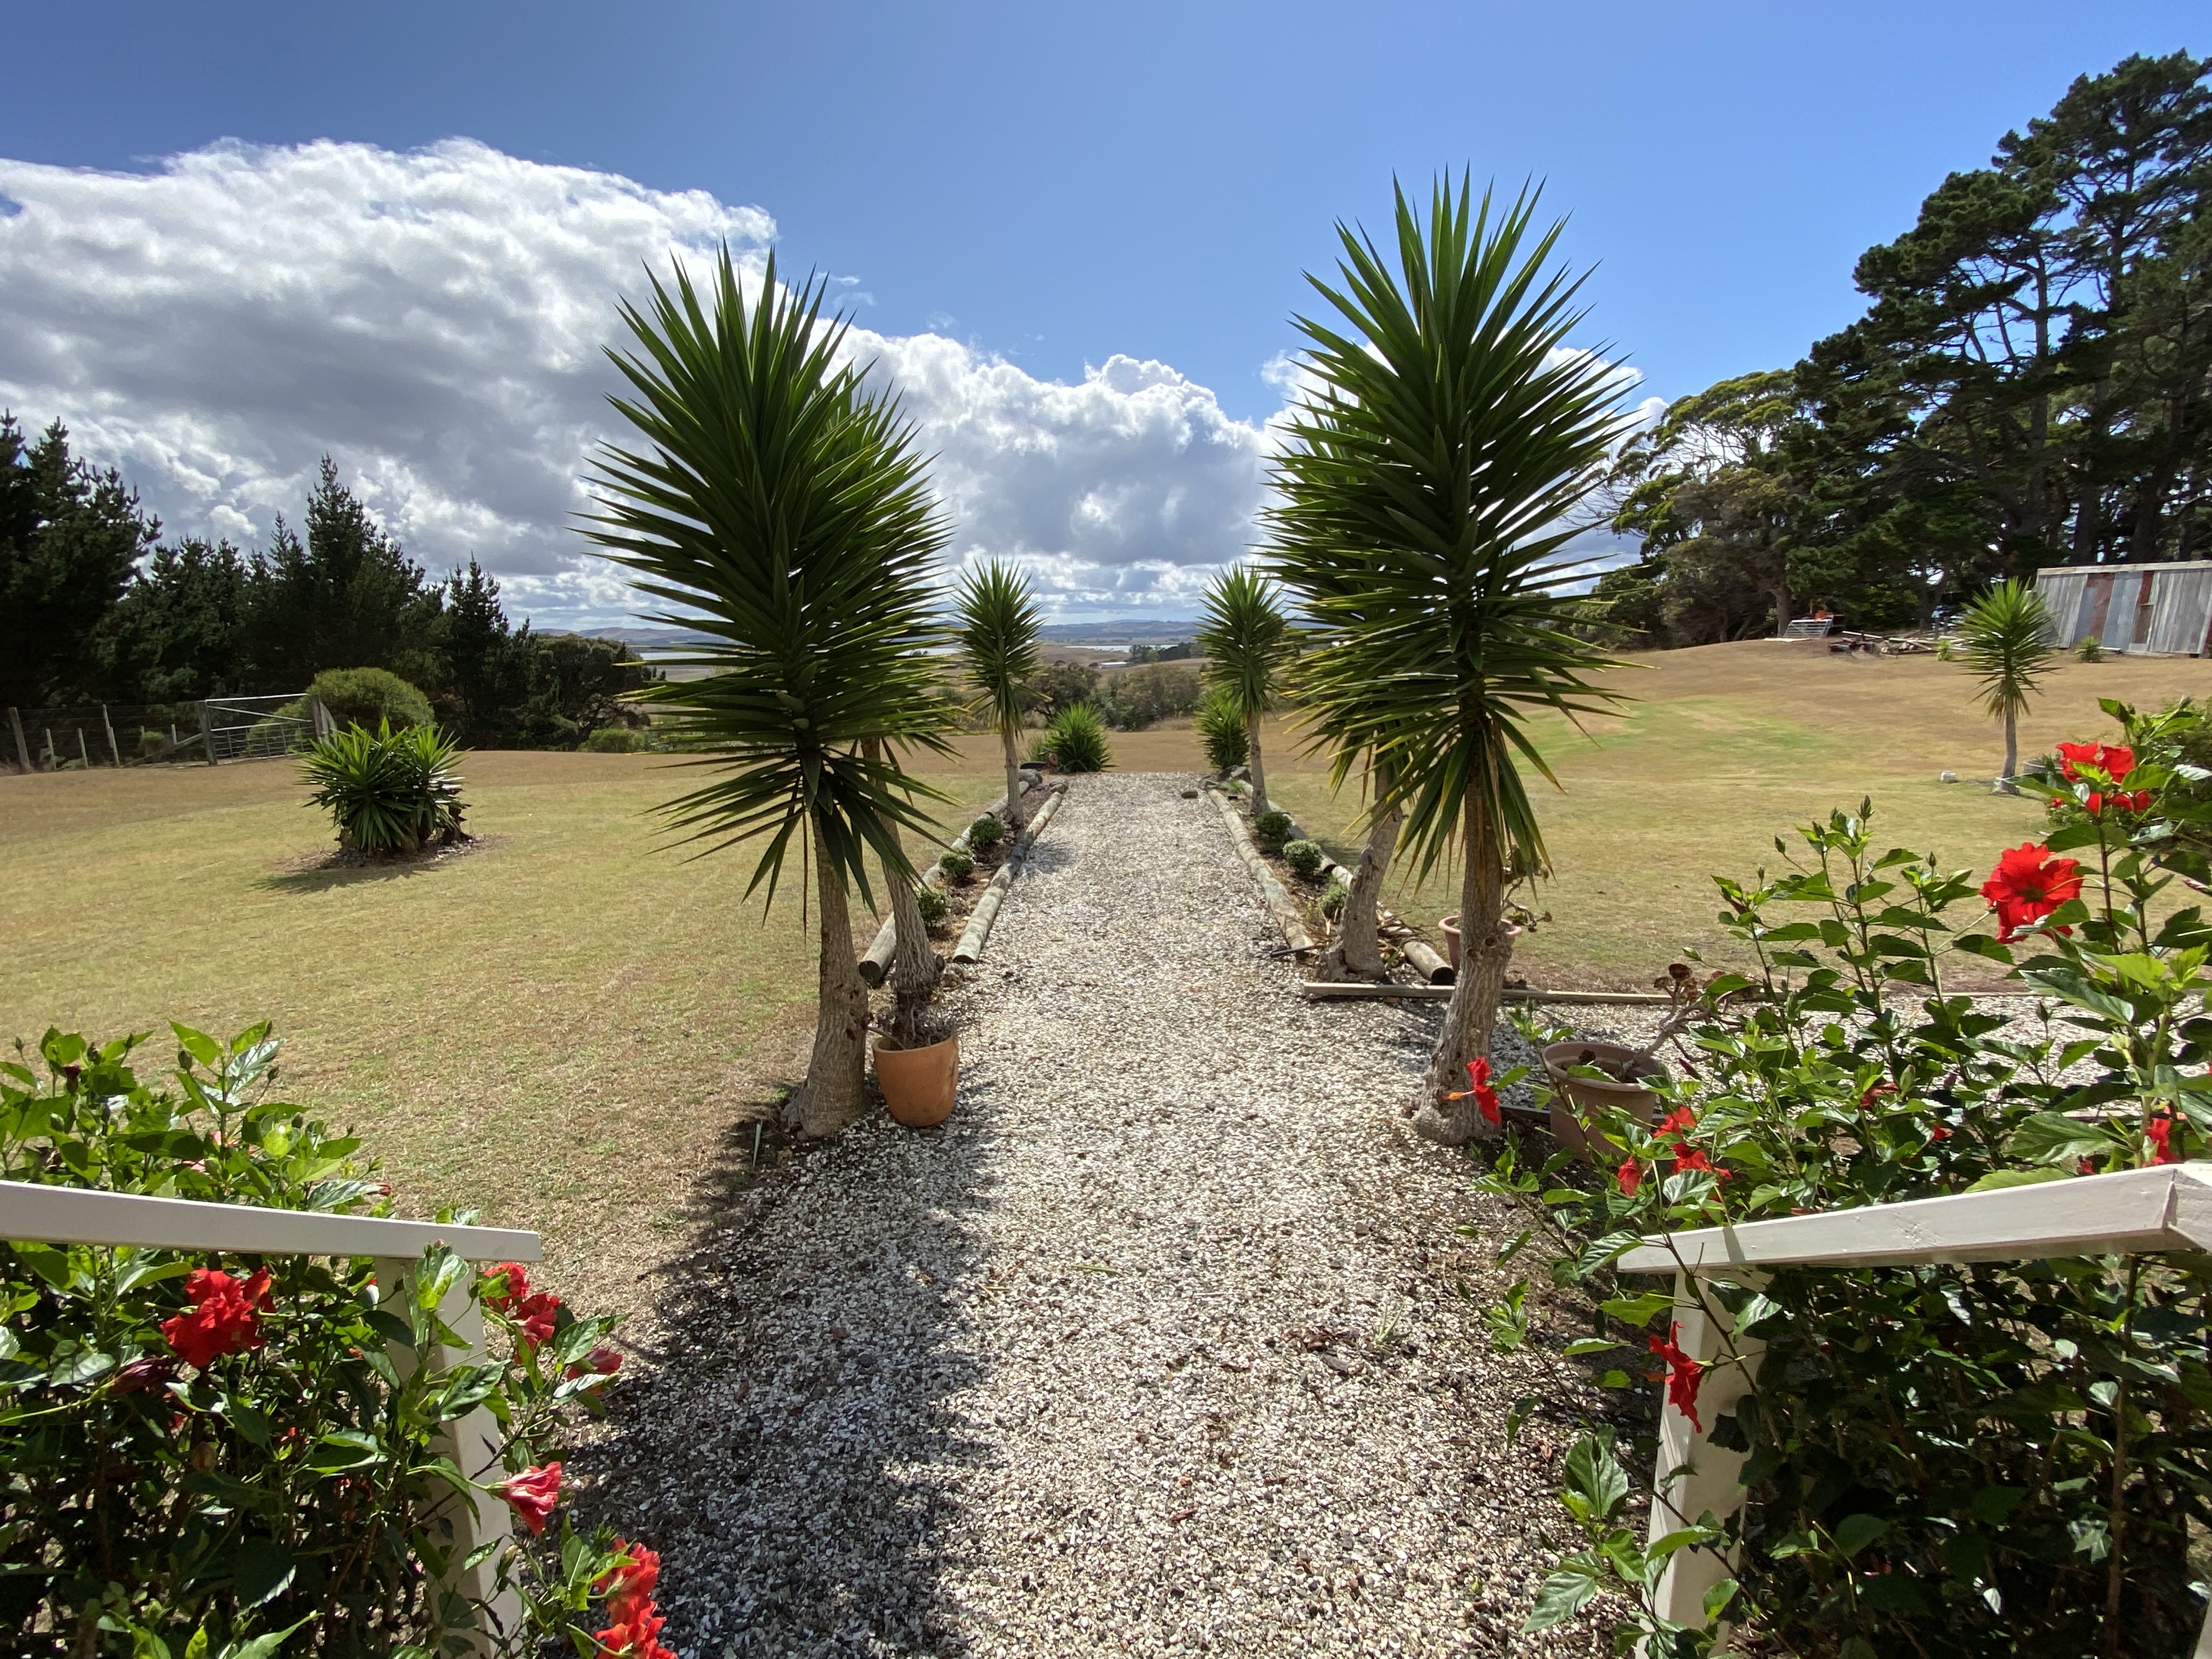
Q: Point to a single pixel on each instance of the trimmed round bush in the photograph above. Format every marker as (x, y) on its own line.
(1221, 732)
(616, 740)
(1333, 897)
(1271, 827)
(367, 697)
(1077, 737)
(957, 865)
(933, 904)
(1305, 857)
(986, 833)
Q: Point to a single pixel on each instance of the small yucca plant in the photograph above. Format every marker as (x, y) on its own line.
(1221, 731)
(387, 792)
(1076, 740)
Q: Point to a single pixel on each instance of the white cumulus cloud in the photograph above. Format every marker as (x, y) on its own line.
(434, 320)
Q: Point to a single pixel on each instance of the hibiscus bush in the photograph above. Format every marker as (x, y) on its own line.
(1999, 1458)
(225, 1458)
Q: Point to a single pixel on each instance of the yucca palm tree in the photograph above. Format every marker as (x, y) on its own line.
(2007, 639)
(1246, 638)
(997, 618)
(1419, 510)
(782, 510)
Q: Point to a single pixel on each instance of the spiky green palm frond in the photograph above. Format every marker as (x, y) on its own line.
(2007, 638)
(996, 619)
(782, 510)
(1419, 513)
(1246, 638)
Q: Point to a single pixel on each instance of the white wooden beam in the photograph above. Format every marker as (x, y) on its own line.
(76, 1215)
(2130, 1212)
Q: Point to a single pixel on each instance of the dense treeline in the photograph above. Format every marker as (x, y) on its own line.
(2031, 385)
(95, 606)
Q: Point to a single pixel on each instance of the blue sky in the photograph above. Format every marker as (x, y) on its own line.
(1054, 189)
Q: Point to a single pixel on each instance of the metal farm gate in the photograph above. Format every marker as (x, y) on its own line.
(64, 738)
(2163, 608)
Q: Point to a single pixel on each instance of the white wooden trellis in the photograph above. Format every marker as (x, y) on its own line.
(31, 1213)
(2133, 1212)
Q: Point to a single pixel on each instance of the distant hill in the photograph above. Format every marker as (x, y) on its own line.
(1120, 630)
(662, 639)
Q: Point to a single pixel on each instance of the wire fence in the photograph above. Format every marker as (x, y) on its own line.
(69, 737)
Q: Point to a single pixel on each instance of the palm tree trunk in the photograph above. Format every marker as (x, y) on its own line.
(915, 966)
(836, 1093)
(1485, 951)
(1259, 771)
(2012, 754)
(1014, 814)
(1357, 952)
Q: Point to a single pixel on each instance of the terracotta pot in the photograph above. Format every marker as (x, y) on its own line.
(1589, 1092)
(918, 1084)
(1450, 929)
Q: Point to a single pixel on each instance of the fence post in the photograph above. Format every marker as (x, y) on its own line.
(113, 747)
(207, 734)
(22, 749)
(82, 753)
(474, 1444)
(324, 725)
(1693, 1474)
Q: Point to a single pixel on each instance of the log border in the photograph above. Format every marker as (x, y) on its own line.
(970, 950)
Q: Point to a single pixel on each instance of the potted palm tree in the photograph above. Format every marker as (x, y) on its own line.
(1433, 470)
(1247, 641)
(784, 513)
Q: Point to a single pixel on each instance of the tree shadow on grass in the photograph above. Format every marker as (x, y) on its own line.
(318, 872)
(790, 1444)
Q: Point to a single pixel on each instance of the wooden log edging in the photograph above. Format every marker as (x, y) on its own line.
(1423, 958)
(876, 960)
(1271, 891)
(970, 950)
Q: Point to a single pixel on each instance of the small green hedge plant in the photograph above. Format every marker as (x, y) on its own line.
(2091, 649)
(1222, 734)
(1271, 827)
(932, 904)
(388, 793)
(370, 697)
(1333, 898)
(209, 1456)
(1305, 857)
(616, 740)
(985, 834)
(1076, 740)
(958, 865)
(1941, 1460)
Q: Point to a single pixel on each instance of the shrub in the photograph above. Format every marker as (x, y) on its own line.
(1077, 739)
(616, 740)
(2091, 649)
(369, 698)
(932, 904)
(1271, 827)
(1305, 857)
(387, 792)
(1942, 1459)
(1333, 897)
(958, 864)
(986, 833)
(206, 1456)
(1137, 698)
(1221, 731)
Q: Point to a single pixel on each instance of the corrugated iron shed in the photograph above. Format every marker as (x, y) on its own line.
(2132, 607)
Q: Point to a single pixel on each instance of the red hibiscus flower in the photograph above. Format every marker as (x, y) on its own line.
(2115, 760)
(533, 1495)
(636, 1637)
(630, 1583)
(1479, 1086)
(2128, 800)
(535, 1316)
(2159, 1127)
(1673, 1137)
(602, 1359)
(224, 1318)
(1683, 1375)
(1937, 1131)
(505, 1285)
(1629, 1176)
(2027, 885)
(1694, 1158)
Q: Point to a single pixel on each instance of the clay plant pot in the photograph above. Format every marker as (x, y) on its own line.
(1450, 929)
(1587, 1093)
(918, 1084)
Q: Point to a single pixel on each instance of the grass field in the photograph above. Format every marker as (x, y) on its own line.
(560, 1027)
(554, 1027)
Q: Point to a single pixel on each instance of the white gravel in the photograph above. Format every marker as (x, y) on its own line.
(1155, 1347)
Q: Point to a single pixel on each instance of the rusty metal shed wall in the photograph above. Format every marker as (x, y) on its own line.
(2157, 607)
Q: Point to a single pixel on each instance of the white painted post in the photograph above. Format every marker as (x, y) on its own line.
(1694, 1475)
(473, 1443)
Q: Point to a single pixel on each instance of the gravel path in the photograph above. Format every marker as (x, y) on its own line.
(1157, 1346)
